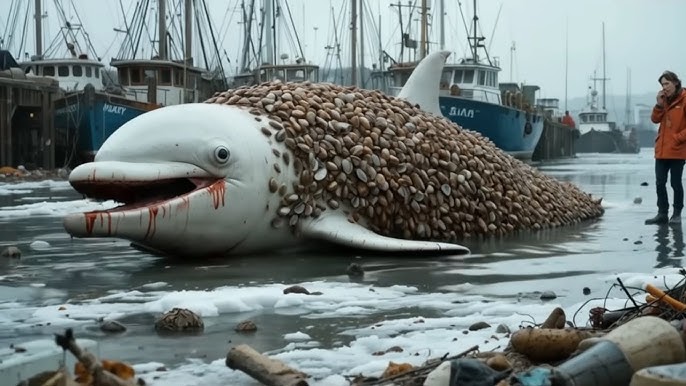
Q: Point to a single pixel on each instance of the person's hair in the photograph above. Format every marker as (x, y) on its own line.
(566, 112)
(670, 76)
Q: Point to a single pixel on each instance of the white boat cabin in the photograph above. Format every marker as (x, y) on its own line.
(593, 117)
(297, 72)
(466, 79)
(175, 83)
(73, 74)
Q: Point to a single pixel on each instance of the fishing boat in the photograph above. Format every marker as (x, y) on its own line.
(86, 112)
(600, 135)
(471, 96)
(263, 66)
(597, 133)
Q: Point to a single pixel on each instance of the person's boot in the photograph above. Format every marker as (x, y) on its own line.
(676, 217)
(661, 218)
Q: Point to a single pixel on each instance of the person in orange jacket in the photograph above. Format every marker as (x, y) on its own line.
(670, 146)
(568, 120)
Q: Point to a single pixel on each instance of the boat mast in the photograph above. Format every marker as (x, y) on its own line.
(269, 29)
(39, 29)
(361, 13)
(566, 59)
(604, 78)
(422, 33)
(353, 42)
(475, 46)
(162, 28)
(627, 109)
(247, 34)
(441, 40)
(513, 48)
(188, 31)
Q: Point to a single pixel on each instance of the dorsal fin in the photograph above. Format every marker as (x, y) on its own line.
(423, 85)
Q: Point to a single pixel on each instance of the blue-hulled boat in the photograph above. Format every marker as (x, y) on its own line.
(85, 119)
(471, 96)
(86, 113)
(93, 104)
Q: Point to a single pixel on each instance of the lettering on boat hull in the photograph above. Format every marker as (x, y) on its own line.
(463, 112)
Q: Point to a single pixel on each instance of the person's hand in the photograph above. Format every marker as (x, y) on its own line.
(660, 97)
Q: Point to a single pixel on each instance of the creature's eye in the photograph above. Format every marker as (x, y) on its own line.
(221, 154)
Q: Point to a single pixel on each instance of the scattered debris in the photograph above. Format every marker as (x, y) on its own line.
(179, 320)
(267, 371)
(11, 252)
(246, 326)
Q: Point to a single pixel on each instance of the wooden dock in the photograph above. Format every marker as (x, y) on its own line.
(557, 141)
(27, 129)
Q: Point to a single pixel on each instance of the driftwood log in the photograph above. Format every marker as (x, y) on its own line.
(101, 377)
(268, 371)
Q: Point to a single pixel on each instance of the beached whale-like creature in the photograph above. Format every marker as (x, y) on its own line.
(277, 165)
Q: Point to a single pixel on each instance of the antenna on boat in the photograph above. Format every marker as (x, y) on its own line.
(476, 41)
(513, 48)
(604, 78)
(566, 58)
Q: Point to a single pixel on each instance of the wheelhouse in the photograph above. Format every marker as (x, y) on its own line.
(73, 74)
(175, 82)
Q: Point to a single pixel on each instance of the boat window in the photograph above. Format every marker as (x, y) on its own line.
(123, 74)
(313, 74)
(150, 73)
(190, 80)
(165, 76)
(457, 78)
(89, 72)
(97, 72)
(63, 70)
(77, 70)
(468, 76)
(482, 77)
(49, 71)
(136, 77)
(178, 77)
(446, 76)
(295, 75)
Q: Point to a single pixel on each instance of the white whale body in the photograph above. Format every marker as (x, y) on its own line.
(195, 180)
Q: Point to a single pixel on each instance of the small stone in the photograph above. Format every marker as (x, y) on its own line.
(112, 326)
(587, 291)
(502, 329)
(548, 295)
(479, 326)
(644, 183)
(498, 362)
(638, 242)
(246, 326)
(179, 320)
(354, 269)
(11, 252)
(296, 289)
(638, 200)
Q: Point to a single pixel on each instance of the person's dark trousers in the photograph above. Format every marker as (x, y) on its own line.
(675, 169)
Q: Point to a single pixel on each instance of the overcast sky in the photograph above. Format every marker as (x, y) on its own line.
(645, 36)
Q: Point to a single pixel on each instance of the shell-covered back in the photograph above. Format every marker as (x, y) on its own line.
(404, 172)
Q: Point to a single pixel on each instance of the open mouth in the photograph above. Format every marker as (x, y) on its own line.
(138, 194)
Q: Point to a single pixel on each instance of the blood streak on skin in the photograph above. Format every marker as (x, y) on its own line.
(92, 217)
(185, 203)
(217, 191)
(152, 221)
(109, 222)
(90, 221)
